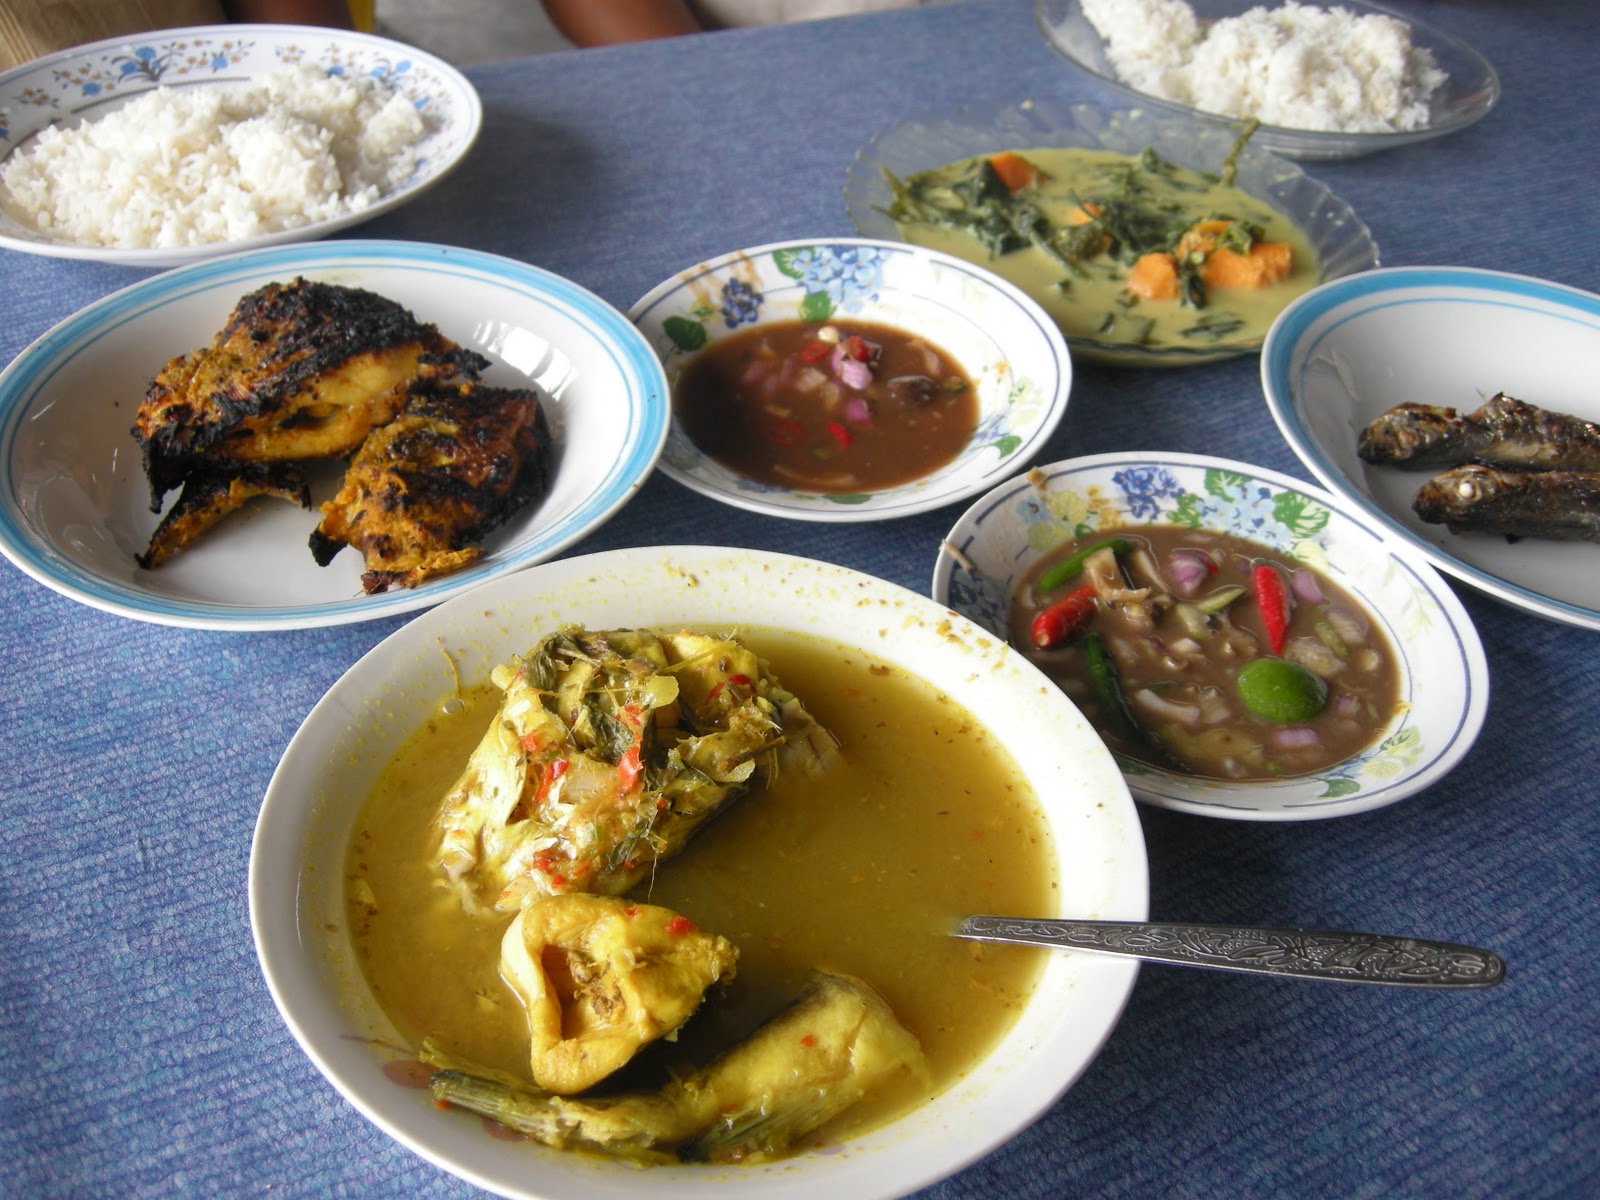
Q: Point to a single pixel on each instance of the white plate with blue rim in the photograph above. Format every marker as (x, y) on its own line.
(70, 87)
(1442, 671)
(75, 504)
(1452, 337)
(1012, 351)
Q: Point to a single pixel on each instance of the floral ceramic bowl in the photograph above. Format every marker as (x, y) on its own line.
(85, 82)
(1443, 676)
(1014, 354)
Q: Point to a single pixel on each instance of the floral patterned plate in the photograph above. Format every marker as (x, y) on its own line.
(1444, 678)
(1013, 352)
(82, 83)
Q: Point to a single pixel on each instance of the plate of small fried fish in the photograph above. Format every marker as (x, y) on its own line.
(319, 434)
(1456, 405)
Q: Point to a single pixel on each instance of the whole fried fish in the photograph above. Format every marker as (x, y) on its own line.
(1504, 432)
(1563, 505)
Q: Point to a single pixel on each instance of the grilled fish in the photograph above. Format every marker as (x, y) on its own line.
(208, 496)
(1564, 505)
(837, 1044)
(608, 751)
(426, 487)
(1504, 432)
(301, 370)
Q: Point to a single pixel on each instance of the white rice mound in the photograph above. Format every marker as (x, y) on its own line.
(187, 166)
(1297, 66)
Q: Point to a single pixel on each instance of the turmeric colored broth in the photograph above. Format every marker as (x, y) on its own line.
(927, 819)
(1093, 303)
(775, 405)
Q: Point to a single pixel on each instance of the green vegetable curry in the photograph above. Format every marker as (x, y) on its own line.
(1085, 231)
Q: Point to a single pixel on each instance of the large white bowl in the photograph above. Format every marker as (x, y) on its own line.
(86, 81)
(1444, 679)
(1342, 242)
(1449, 336)
(1470, 91)
(1010, 349)
(75, 507)
(296, 862)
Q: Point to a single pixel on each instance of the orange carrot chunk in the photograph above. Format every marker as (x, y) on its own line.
(1266, 264)
(1154, 277)
(1015, 171)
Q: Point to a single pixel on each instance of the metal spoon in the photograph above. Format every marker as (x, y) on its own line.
(1298, 953)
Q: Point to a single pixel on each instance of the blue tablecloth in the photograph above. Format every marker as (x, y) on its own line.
(140, 1053)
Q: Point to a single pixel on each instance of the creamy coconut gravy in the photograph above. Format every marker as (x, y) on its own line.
(861, 872)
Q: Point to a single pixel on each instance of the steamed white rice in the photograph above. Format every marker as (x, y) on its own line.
(1297, 66)
(185, 166)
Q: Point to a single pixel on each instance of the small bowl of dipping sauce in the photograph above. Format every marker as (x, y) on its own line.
(1247, 645)
(851, 379)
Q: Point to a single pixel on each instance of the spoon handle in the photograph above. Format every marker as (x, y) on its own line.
(1299, 953)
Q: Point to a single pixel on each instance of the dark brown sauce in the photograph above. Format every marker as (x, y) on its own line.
(1179, 678)
(842, 407)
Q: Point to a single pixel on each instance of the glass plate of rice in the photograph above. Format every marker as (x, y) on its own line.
(1333, 80)
(161, 149)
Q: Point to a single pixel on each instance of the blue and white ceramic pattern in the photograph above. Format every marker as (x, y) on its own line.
(77, 84)
(75, 506)
(1349, 351)
(1444, 681)
(1012, 351)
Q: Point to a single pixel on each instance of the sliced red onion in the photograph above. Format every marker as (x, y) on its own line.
(1187, 570)
(1346, 703)
(1304, 584)
(758, 370)
(856, 411)
(854, 373)
(1298, 735)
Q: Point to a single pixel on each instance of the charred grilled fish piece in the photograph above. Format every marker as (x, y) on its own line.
(1503, 432)
(208, 496)
(425, 488)
(1564, 505)
(301, 370)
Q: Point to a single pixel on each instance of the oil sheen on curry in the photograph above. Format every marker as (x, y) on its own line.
(1119, 249)
(1208, 653)
(531, 912)
(836, 407)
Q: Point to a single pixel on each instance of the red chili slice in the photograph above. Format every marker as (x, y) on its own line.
(1064, 618)
(1272, 598)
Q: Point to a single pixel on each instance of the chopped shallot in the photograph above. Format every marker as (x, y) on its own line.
(1188, 569)
(1305, 585)
(1297, 735)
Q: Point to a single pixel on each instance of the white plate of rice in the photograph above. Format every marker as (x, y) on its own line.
(182, 144)
(75, 504)
(1326, 78)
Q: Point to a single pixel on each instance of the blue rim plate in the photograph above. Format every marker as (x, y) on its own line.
(1350, 350)
(1444, 677)
(74, 505)
(86, 81)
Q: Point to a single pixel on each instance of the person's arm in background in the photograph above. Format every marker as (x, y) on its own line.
(333, 13)
(606, 22)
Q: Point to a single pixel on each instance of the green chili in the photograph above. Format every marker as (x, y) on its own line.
(1108, 690)
(1071, 568)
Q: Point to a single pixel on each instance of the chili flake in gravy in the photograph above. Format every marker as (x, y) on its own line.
(840, 407)
(1208, 653)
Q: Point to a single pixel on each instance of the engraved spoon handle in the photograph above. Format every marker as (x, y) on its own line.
(1298, 953)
